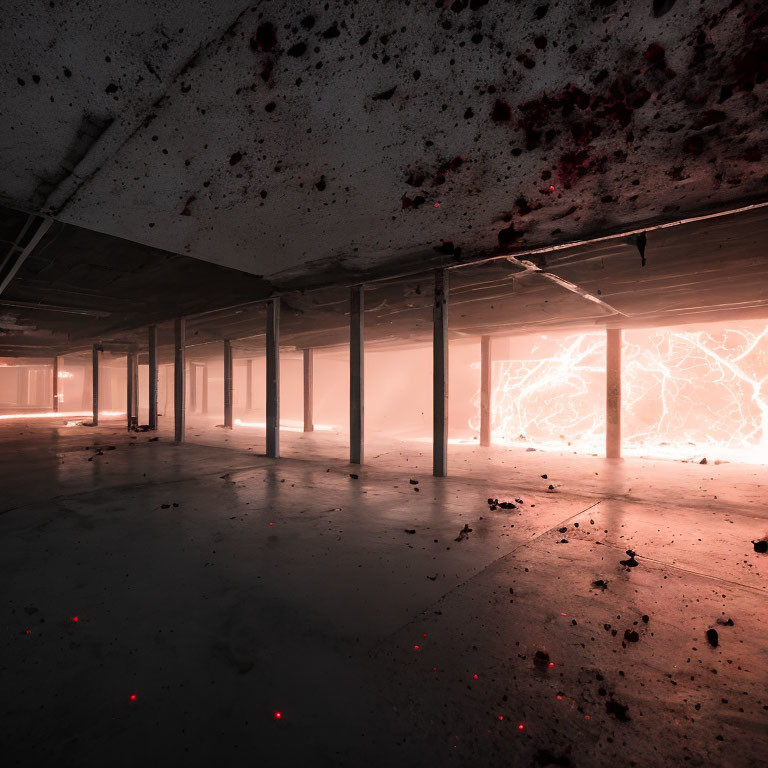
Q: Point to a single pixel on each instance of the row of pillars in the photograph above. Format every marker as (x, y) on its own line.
(356, 381)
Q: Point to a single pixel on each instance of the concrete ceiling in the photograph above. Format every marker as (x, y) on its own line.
(313, 142)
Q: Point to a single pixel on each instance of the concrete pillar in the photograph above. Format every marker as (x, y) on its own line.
(179, 375)
(440, 376)
(485, 390)
(356, 374)
(55, 384)
(95, 384)
(249, 384)
(228, 388)
(205, 388)
(132, 389)
(152, 343)
(613, 393)
(273, 378)
(309, 390)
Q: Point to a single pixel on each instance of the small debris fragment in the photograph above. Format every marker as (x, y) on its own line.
(353, 476)
(619, 711)
(600, 584)
(631, 562)
(410, 530)
(724, 623)
(463, 533)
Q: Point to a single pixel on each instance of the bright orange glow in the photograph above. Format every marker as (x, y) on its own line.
(283, 427)
(45, 415)
(686, 393)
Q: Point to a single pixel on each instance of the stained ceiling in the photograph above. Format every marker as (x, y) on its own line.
(305, 141)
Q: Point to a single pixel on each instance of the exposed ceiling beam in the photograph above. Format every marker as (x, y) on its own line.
(20, 252)
(54, 308)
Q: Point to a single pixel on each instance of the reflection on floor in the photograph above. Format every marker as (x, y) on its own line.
(389, 622)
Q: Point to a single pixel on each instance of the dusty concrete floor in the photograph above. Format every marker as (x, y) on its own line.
(348, 606)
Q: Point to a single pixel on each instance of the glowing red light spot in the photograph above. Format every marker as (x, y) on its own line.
(586, 717)
(520, 727)
(501, 717)
(75, 619)
(551, 664)
(424, 635)
(551, 188)
(563, 614)
(278, 715)
(559, 697)
(26, 631)
(132, 697)
(271, 523)
(434, 669)
(437, 205)
(474, 677)
(416, 647)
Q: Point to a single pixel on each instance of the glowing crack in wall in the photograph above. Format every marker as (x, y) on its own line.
(686, 394)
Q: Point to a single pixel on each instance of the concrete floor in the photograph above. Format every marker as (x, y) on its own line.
(348, 605)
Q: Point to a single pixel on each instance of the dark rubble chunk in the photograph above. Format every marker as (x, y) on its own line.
(712, 637)
(541, 659)
(600, 584)
(353, 476)
(413, 482)
(631, 636)
(463, 533)
(410, 530)
(761, 546)
(619, 711)
(725, 623)
(630, 562)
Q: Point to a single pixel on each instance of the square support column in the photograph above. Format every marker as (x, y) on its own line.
(132, 390)
(55, 384)
(179, 383)
(249, 384)
(95, 384)
(152, 343)
(440, 376)
(356, 374)
(613, 393)
(309, 390)
(205, 388)
(273, 378)
(228, 388)
(485, 390)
